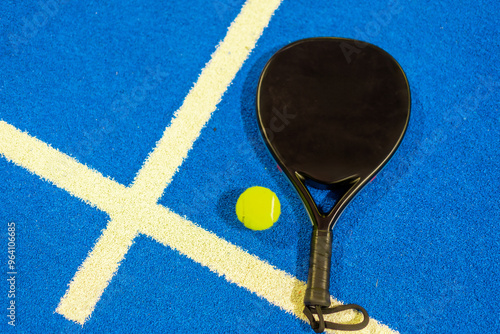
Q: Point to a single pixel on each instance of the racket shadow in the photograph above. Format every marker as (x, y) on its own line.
(252, 132)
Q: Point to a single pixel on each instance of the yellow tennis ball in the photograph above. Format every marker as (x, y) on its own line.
(258, 208)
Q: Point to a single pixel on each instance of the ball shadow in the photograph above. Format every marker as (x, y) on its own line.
(226, 207)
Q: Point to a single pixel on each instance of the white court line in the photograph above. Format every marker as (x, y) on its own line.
(171, 150)
(202, 100)
(80, 299)
(60, 169)
(227, 260)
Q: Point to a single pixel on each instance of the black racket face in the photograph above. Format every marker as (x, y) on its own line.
(332, 111)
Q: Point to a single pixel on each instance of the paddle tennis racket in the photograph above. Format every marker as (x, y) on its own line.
(332, 111)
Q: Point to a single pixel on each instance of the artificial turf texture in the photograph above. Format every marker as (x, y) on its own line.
(418, 247)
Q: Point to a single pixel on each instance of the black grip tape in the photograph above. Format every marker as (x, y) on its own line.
(318, 282)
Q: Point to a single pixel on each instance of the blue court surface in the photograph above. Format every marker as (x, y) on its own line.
(128, 131)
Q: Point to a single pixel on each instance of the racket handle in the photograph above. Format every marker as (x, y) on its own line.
(318, 282)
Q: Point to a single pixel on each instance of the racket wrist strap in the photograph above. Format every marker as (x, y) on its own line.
(317, 296)
(320, 324)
